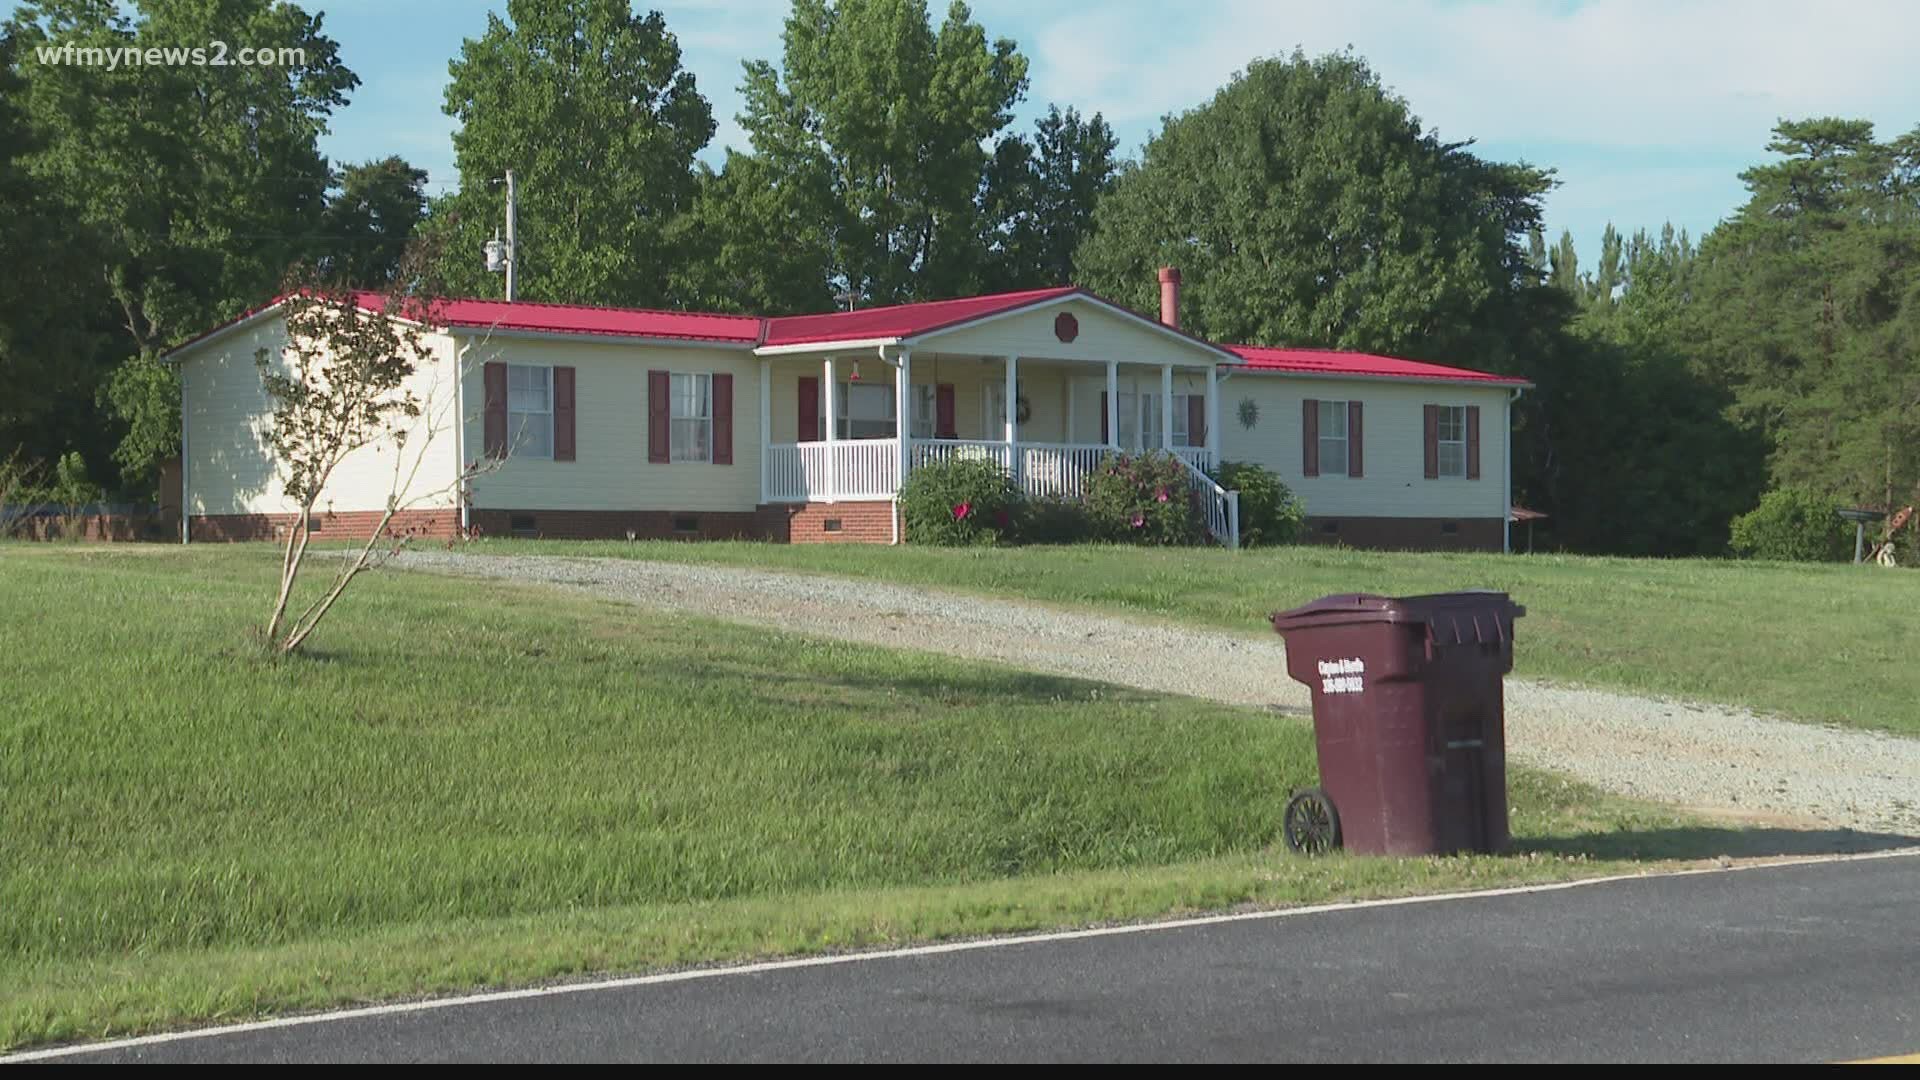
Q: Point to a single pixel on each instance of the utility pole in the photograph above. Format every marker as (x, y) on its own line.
(513, 245)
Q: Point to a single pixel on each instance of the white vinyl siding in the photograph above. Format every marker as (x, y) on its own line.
(226, 413)
(1333, 438)
(1395, 483)
(1453, 440)
(530, 411)
(610, 425)
(692, 419)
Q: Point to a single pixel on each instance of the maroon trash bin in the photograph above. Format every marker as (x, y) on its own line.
(1408, 718)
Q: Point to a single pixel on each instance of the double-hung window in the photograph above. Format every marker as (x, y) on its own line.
(923, 410)
(866, 411)
(530, 410)
(1333, 438)
(1452, 440)
(997, 407)
(692, 418)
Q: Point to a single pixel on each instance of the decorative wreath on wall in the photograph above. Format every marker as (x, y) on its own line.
(1022, 409)
(1249, 413)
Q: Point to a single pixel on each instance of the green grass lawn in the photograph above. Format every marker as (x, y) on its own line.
(469, 784)
(1814, 642)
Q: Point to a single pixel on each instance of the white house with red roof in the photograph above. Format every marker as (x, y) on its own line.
(619, 422)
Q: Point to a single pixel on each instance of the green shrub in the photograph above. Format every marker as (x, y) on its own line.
(1793, 524)
(1269, 512)
(1054, 520)
(1142, 499)
(71, 487)
(959, 502)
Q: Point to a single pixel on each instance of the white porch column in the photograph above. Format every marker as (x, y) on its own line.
(1113, 405)
(766, 429)
(1213, 414)
(830, 409)
(1166, 407)
(903, 412)
(1011, 429)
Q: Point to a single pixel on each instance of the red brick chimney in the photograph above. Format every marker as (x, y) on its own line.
(1170, 296)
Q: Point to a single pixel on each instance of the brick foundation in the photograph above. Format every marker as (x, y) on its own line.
(617, 524)
(441, 524)
(1407, 534)
(829, 523)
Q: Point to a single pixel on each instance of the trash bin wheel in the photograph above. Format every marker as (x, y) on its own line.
(1312, 825)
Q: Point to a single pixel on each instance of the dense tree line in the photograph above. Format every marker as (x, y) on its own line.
(1305, 203)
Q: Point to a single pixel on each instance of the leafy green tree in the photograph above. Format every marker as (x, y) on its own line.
(1306, 204)
(50, 357)
(588, 104)
(754, 242)
(1039, 198)
(887, 117)
(1806, 305)
(370, 216)
(1564, 267)
(1625, 441)
(1537, 258)
(189, 187)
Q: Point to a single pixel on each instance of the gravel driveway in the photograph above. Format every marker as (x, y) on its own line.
(1701, 756)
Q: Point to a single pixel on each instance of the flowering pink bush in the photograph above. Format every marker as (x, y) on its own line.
(959, 502)
(1143, 499)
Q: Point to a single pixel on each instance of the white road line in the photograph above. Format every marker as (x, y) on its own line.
(895, 954)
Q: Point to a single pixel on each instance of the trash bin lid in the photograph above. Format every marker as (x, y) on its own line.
(1344, 608)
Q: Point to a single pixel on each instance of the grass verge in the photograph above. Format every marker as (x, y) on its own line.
(471, 785)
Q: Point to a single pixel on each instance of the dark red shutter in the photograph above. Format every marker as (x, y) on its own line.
(723, 419)
(808, 429)
(494, 376)
(1196, 420)
(1473, 442)
(1105, 435)
(1310, 437)
(659, 417)
(563, 427)
(943, 425)
(1433, 442)
(1354, 439)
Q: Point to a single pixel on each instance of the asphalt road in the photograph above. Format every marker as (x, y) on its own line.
(1796, 963)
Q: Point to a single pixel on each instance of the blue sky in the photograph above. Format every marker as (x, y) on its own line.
(1647, 110)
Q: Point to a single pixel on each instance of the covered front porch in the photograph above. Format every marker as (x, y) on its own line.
(835, 430)
(855, 469)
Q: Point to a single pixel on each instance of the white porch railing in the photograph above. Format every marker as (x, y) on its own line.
(1058, 470)
(1045, 469)
(1197, 456)
(870, 469)
(927, 452)
(1220, 507)
(823, 471)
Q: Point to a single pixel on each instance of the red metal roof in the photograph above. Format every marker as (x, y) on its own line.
(1336, 363)
(902, 320)
(579, 319)
(898, 321)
